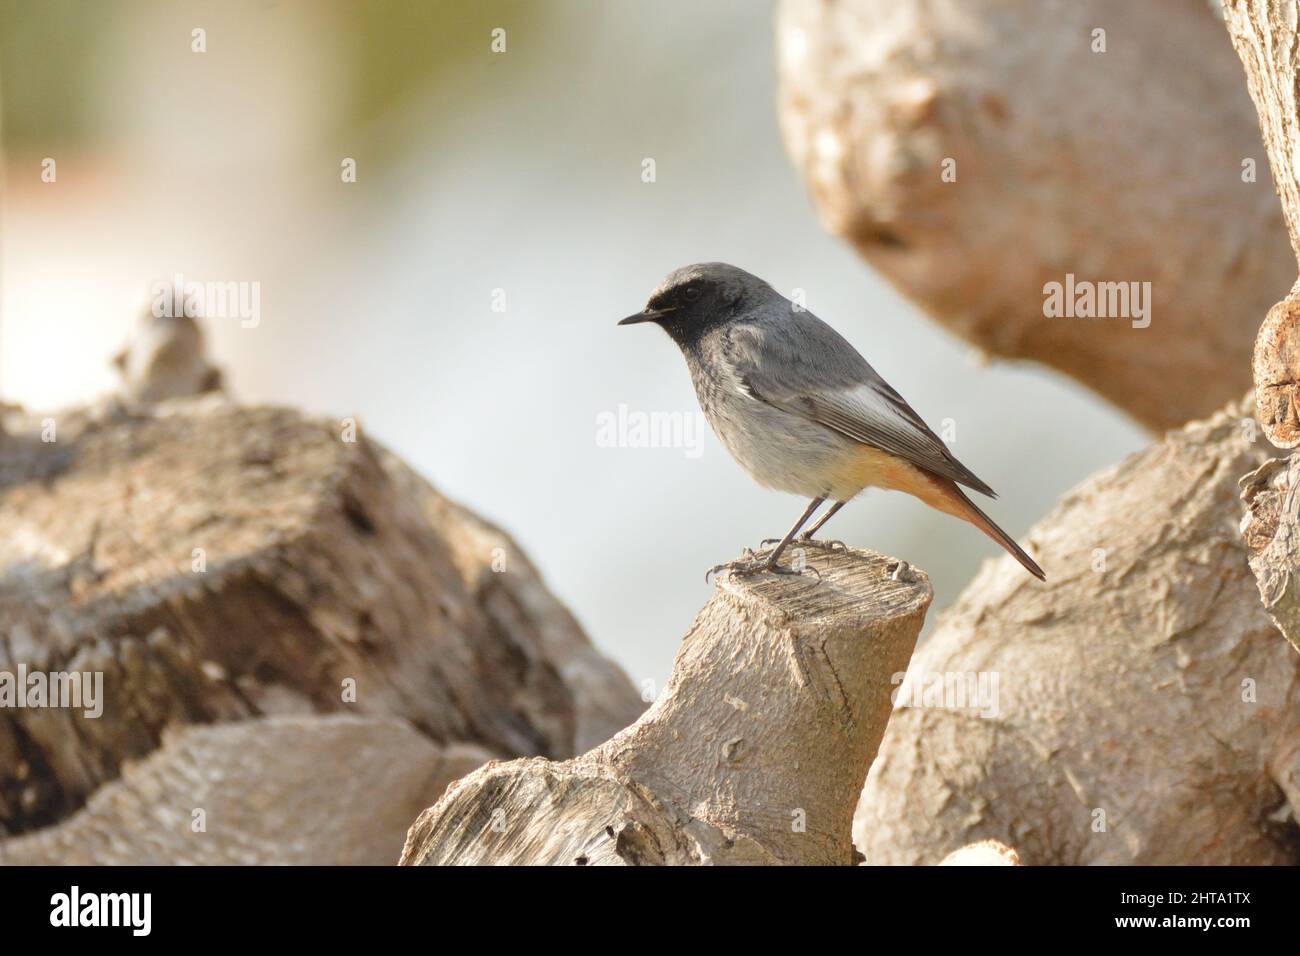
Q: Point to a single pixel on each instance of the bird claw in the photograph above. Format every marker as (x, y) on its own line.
(739, 566)
(825, 544)
(742, 568)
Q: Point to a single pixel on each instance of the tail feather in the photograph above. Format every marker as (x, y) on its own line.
(962, 507)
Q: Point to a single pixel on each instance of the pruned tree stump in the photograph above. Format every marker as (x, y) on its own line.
(755, 751)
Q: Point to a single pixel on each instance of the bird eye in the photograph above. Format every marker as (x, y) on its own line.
(691, 293)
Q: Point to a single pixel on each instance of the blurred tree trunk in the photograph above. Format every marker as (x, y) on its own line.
(228, 565)
(974, 151)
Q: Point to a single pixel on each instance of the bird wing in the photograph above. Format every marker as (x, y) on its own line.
(803, 366)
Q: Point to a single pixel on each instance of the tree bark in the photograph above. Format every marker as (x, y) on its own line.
(1272, 532)
(1265, 35)
(1117, 166)
(754, 752)
(224, 564)
(1143, 710)
(314, 790)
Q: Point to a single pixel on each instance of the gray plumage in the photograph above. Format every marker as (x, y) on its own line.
(758, 348)
(798, 407)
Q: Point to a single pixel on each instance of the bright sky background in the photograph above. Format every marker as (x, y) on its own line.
(519, 172)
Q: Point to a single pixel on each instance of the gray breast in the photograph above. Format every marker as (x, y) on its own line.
(778, 450)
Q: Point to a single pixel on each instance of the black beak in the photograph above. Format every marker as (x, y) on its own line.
(647, 315)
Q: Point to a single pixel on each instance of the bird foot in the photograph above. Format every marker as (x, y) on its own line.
(750, 563)
(827, 544)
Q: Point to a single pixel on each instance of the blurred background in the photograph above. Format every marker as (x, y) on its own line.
(481, 177)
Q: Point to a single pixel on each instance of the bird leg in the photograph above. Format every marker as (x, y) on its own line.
(807, 536)
(770, 562)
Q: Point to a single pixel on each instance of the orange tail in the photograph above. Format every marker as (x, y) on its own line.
(951, 499)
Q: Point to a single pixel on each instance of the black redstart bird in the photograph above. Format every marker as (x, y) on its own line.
(799, 408)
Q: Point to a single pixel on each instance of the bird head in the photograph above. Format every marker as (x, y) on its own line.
(694, 299)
